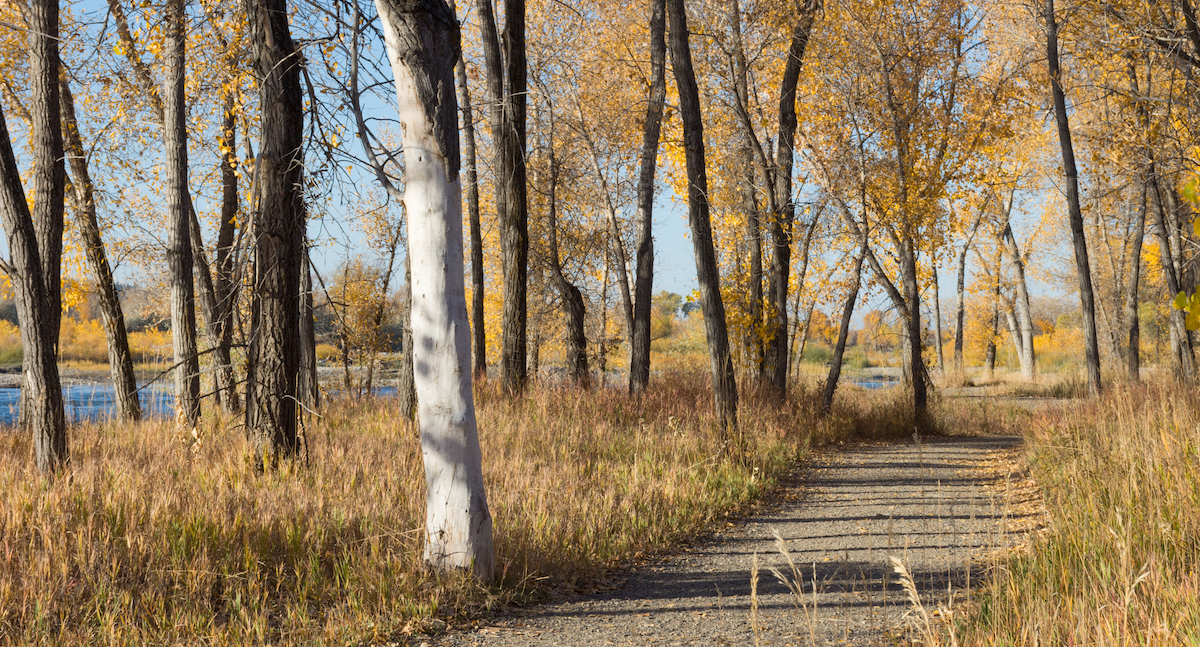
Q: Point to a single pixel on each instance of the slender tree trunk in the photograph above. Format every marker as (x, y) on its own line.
(514, 217)
(1023, 310)
(224, 286)
(274, 357)
(639, 356)
(801, 276)
(1132, 325)
(989, 361)
(1082, 266)
(614, 229)
(959, 302)
(423, 44)
(32, 235)
(179, 243)
(120, 360)
(724, 384)
(572, 298)
(308, 387)
(912, 295)
(406, 381)
(1179, 341)
(776, 359)
(937, 323)
(478, 332)
(839, 351)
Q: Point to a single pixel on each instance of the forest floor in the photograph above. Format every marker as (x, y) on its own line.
(946, 507)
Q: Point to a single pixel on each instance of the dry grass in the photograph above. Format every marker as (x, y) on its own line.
(1119, 562)
(151, 538)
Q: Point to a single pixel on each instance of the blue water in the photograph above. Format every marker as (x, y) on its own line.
(875, 385)
(93, 402)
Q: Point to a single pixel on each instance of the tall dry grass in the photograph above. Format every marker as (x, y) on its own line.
(154, 538)
(1119, 563)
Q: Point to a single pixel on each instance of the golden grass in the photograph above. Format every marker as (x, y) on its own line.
(1119, 562)
(151, 538)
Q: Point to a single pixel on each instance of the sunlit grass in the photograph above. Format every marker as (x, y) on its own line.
(150, 538)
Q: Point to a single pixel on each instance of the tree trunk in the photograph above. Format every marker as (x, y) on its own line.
(959, 302)
(508, 102)
(179, 242)
(120, 361)
(34, 235)
(724, 384)
(989, 361)
(406, 381)
(478, 332)
(308, 386)
(1132, 326)
(224, 283)
(839, 351)
(572, 298)
(639, 355)
(1082, 266)
(1024, 316)
(912, 295)
(274, 357)
(423, 44)
(754, 339)
(776, 352)
(937, 323)
(614, 229)
(1181, 347)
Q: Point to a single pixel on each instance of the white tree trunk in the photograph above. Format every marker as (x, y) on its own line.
(458, 525)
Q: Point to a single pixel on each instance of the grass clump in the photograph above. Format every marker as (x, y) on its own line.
(1119, 562)
(154, 538)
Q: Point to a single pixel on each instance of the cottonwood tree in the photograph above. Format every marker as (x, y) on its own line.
(423, 45)
(707, 275)
(507, 83)
(1075, 214)
(179, 246)
(35, 237)
(278, 235)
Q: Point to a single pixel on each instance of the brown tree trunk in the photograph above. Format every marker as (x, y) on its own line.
(35, 241)
(724, 384)
(507, 89)
(1082, 266)
(179, 242)
(405, 382)
(639, 355)
(120, 361)
(572, 298)
(1023, 311)
(912, 295)
(308, 386)
(478, 333)
(776, 359)
(839, 351)
(937, 323)
(989, 361)
(1132, 325)
(224, 288)
(274, 357)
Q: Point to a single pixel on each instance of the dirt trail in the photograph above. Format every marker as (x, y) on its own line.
(937, 505)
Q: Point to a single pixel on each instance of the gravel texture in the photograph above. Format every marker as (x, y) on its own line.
(940, 505)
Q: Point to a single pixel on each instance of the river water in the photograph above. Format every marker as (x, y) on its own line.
(92, 402)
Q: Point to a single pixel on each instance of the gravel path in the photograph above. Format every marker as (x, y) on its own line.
(939, 505)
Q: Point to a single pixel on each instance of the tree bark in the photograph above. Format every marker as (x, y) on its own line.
(405, 382)
(179, 242)
(274, 357)
(220, 326)
(639, 356)
(1023, 311)
(308, 386)
(937, 323)
(120, 361)
(1082, 266)
(423, 44)
(724, 384)
(959, 302)
(839, 351)
(35, 241)
(1132, 325)
(572, 298)
(507, 89)
(478, 332)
